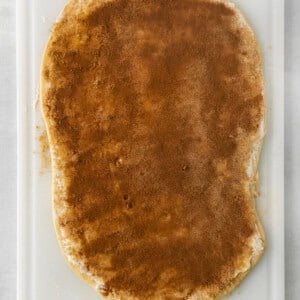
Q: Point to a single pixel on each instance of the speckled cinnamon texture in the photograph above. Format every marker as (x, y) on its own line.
(153, 108)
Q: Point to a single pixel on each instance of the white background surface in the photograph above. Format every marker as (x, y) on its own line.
(8, 144)
(42, 271)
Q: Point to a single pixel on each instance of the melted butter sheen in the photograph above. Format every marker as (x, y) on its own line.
(150, 105)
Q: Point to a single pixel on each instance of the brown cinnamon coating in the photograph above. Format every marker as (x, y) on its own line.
(152, 108)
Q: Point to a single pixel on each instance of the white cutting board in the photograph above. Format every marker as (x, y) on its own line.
(42, 271)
